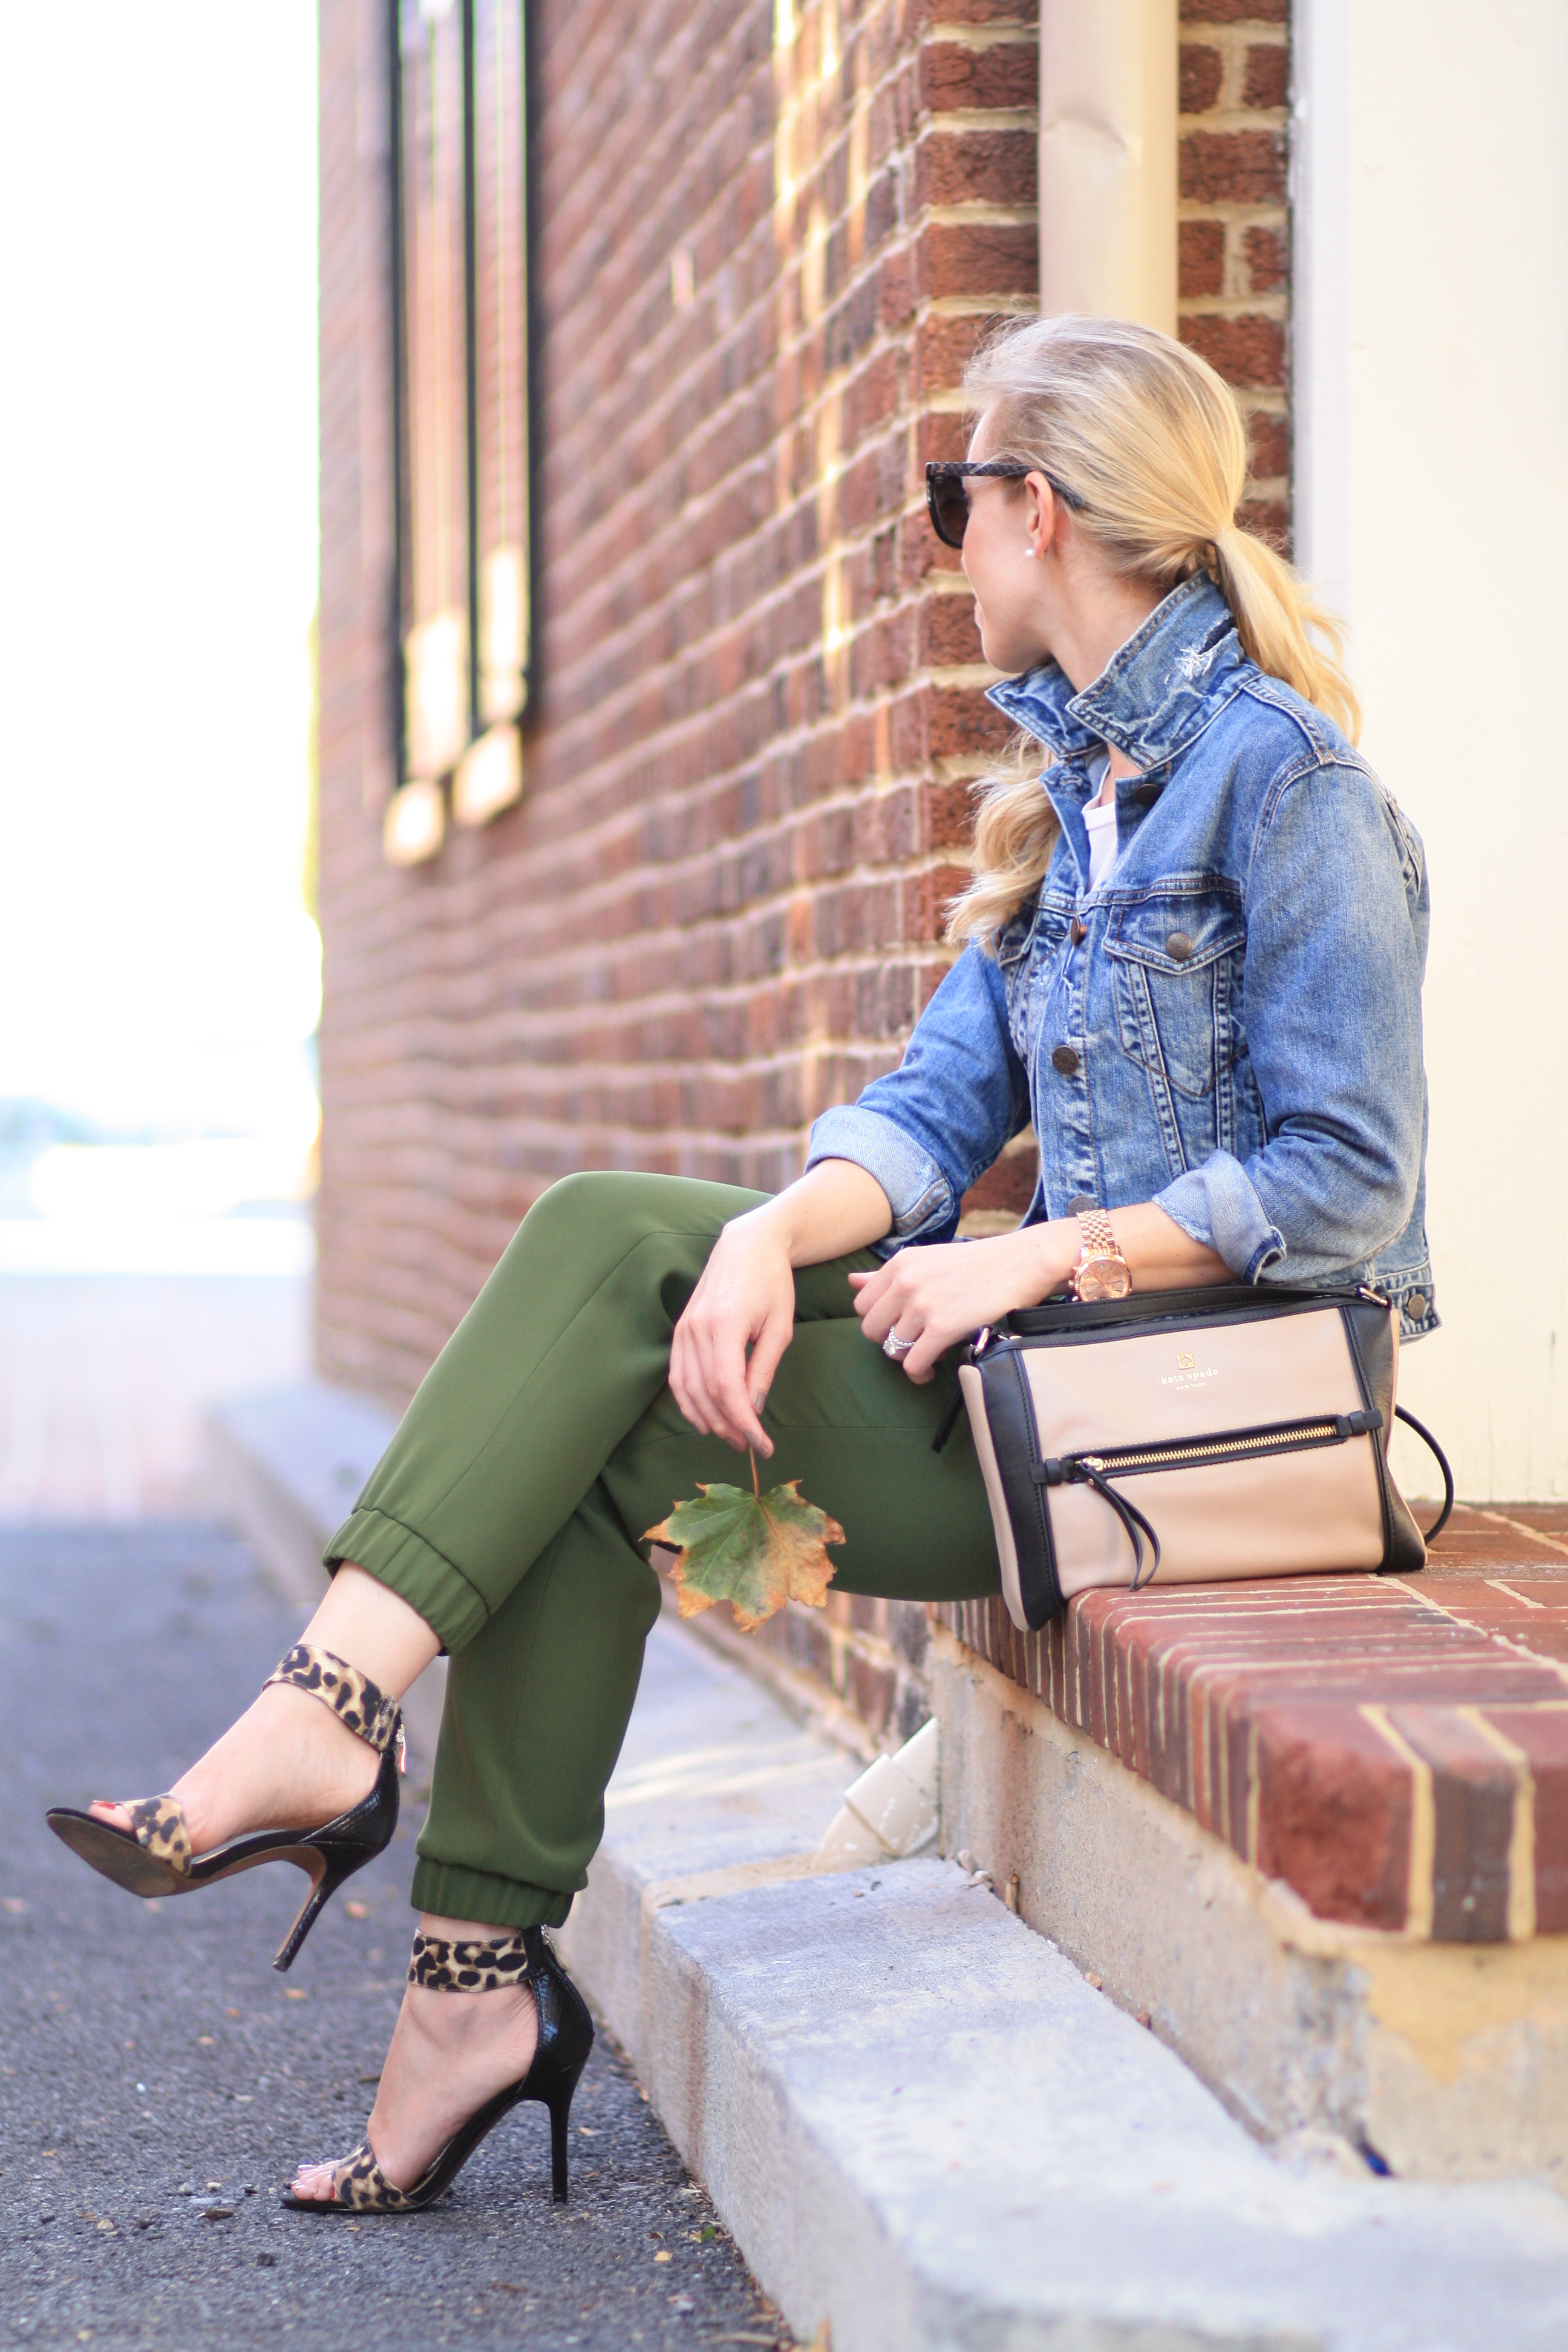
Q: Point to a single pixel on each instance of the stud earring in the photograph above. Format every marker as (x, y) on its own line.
(1029, 553)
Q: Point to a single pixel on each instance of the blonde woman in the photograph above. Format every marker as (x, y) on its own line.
(1192, 959)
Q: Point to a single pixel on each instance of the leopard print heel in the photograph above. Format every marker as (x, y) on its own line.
(153, 1856)
(565, 2038)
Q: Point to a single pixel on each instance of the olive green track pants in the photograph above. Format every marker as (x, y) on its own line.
(509, 1508)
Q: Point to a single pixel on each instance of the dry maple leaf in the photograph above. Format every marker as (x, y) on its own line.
(754, 1550)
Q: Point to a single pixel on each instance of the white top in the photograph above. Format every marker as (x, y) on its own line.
(1099, 816)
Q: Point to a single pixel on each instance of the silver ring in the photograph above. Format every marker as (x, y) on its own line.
(896, 1348)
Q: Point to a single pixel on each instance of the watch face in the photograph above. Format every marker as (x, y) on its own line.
(1103, 1277)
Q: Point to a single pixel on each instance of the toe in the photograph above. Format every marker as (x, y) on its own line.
(104, 1808)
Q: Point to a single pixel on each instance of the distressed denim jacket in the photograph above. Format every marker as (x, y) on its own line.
(1237, 1033)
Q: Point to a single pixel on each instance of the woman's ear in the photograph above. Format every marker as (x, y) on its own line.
(1044, 513)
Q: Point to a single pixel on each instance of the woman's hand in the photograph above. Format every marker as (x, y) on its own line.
(741, 1317)
(738, 1322)
(937, 1295)
(946, 1291)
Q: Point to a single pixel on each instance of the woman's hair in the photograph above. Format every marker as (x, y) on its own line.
(1152, 441)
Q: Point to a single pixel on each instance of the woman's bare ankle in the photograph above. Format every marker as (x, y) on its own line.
(451, 2053)
(461, 1931)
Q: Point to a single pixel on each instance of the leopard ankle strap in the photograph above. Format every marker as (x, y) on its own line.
(442, 1967)
(354, 1698)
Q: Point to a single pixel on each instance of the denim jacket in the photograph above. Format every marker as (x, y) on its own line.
(1236, 1034)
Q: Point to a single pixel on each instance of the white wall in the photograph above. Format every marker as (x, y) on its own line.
(1108, 159)
(1431, 440)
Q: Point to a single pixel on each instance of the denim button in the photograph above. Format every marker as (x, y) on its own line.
(1415, 1305)
(1077, 933)
(1178, 947)
(1064, 1060)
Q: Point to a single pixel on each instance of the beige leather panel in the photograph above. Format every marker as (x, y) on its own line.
(1158, 1388)
(1282, 1515)
(1007, 1549)
(1285, 1514)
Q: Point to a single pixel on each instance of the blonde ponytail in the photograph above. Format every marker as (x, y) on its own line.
(1151, 442)
(1274, 611)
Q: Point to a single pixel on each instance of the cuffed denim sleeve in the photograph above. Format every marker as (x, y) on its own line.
(1218, 1204)
(919, 1194)
(931, 1127)
(1336, 937)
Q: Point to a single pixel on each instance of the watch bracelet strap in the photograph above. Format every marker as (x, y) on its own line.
(1099, 1235)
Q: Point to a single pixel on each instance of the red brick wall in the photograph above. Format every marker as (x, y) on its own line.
(717, 909)
(1234, 224)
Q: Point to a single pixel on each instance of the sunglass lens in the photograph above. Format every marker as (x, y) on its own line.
(950, 508)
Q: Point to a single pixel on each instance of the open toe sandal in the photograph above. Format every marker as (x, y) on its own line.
(565, 2038)
(153, 1856)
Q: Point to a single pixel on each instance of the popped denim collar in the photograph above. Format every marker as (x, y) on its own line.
(1154, 695)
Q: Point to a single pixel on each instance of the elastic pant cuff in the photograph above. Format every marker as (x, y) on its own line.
(417, 1573)
(452, 1893)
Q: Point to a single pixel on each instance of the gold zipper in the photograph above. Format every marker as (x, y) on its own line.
(1157, 1457)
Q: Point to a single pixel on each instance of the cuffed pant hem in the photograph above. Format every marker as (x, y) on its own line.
(452, 1893)
(416, 1572)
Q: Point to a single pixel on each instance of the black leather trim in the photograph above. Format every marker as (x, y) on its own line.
(1370, 1330)
(1011, 1417)
(1238, 1302)
(1371, 1345)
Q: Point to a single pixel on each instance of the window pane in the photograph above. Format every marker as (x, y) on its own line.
(436, 585)
(501, 355)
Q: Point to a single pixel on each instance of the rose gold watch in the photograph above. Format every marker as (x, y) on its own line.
(1102, 1271)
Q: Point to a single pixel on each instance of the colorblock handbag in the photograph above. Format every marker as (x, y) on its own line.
(1193, 1436)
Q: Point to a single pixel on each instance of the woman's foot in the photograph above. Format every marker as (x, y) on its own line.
(288, 1763)
(451, 2053)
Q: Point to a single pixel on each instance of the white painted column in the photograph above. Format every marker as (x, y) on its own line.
(1431, 390)
(1108, 159)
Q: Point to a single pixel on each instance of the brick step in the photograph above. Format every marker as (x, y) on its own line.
(1394, 1748)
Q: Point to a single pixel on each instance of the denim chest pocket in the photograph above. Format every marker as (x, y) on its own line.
(1176, 962)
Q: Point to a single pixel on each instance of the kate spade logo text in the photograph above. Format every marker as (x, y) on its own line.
(1189, 1373)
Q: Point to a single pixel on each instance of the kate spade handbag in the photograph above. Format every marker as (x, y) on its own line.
(1192, 1436)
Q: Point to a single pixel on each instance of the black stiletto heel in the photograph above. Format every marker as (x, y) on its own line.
(565, 2039)
(153, 1856)
(560, 2117)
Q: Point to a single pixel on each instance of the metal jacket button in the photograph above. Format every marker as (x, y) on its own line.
(1178, 947)
(1077, 933)
(1415, 1305)
(1064, 1060)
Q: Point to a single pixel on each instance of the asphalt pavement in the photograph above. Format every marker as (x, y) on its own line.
(159, 2081)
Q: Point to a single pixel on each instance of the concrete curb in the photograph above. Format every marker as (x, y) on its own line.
(923, 2126)
(919, 2120)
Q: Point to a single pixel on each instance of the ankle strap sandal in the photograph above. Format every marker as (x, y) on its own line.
(565, 2038)
(153, 1856)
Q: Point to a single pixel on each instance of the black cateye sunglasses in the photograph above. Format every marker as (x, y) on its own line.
(948, 499)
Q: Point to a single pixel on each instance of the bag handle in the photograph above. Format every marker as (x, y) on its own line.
(1424, 1434)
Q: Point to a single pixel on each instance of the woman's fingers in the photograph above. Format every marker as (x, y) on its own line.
(767, 1353)
(684, 1381)
(714, 1386)
(900, 1297)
